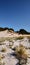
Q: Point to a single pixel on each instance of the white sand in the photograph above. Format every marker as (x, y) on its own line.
(10, 59)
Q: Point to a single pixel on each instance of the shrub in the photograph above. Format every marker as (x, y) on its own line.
(21, 53)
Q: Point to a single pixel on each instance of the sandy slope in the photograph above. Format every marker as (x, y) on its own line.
(6, 33)
(9, 59)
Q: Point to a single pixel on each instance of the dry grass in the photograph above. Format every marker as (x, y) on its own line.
(3, 50)
(1, 56)
(2, 63)
(19, 38)
(14, 38)
(21, 51)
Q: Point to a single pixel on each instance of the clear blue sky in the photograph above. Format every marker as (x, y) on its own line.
(15, 14)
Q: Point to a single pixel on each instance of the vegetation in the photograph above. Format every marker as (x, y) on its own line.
(21, 54)
(6, 28)
(19, 38)
(22, 31)
(2, 63)
(10, 44)
(1, 56)
(6, 38)
(3, 50)
(1, 60)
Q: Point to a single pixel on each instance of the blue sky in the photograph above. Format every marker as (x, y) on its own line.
(15, 14)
